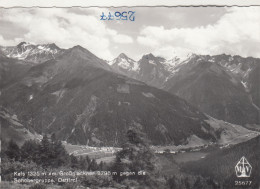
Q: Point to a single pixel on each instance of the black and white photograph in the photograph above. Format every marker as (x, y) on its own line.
(130, 97)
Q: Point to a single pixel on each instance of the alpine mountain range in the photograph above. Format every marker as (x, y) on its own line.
(86, 100)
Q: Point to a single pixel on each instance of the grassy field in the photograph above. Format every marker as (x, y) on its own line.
(189, 156)
(92, 152)
(107, 154)
(170, 163)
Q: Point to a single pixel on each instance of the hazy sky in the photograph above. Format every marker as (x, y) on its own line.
(165, 32)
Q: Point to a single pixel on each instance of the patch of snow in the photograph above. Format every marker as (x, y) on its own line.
(230, 59)
(13, 119)
(72, 131)
(173, 65)
(212, 60)
(252, 102)
(245, 85)
(26, 44)
(127, 103)
(41, 47)
(136, 66)
(148, 95)
(247, 72)
(59, 94)
(30, 97)
(30, 51)
(204, 130)
(53, 120)
(111, 62)
(152, 62)
(124, 64)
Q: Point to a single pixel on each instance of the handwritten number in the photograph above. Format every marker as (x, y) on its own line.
(124, 17)
(131, 17)
(110, 16)
(103, 17)
(118, 14)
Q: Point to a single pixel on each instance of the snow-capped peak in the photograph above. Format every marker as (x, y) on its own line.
(172, 65)
(31, 52)
(125, 63)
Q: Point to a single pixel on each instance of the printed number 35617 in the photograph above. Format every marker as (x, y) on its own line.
(119, 16)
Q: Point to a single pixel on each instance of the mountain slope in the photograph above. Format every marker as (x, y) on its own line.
(223, 86)
(77, 97)
(214, 90)
(220, 165)
(12, 70)
(248, 71)
(152, 70)
(12, 129)
(253, 81)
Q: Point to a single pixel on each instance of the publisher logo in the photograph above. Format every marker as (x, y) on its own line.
(243, 168)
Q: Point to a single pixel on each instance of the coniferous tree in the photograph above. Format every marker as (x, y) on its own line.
(60, 155)
(187, 183)
(84, 164)
(88, 160)
(74, 163)
(13, 151)
(172, 183)
(4, 146)
(29, 151)
(198, 184)
(45, 152)
(101, 166)
(93, 165)
(136, 156)
(53, 138)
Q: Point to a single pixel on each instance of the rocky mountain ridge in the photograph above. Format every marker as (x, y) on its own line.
(220, 85)
(32, 53)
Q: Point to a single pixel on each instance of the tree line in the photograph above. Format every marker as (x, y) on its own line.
(134, 157)
(48, 153)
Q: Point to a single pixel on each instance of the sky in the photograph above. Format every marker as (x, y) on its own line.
(163, 31)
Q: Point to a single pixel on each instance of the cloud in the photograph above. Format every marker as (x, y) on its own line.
(65, 28)
(236, 32)
(123, 39)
